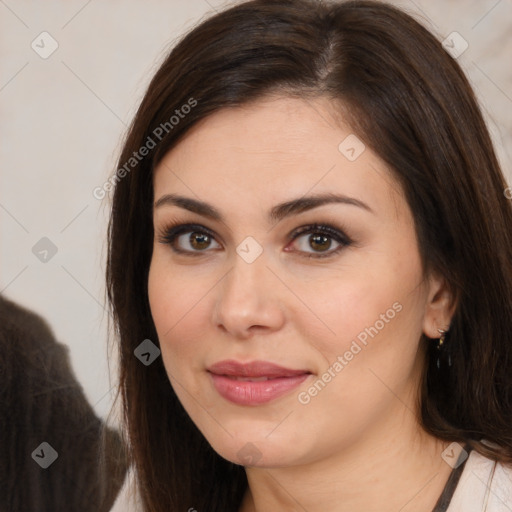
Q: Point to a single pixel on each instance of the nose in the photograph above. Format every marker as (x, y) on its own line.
(248, 300)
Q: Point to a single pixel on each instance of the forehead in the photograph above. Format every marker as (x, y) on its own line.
(271, 150)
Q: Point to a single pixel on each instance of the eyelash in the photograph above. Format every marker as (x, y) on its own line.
(171, 232)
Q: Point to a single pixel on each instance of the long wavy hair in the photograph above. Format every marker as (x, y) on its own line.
(410, 102)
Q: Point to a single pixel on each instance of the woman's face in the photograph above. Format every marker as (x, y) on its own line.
(339, 312)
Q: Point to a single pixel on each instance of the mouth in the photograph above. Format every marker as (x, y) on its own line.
(254, 383)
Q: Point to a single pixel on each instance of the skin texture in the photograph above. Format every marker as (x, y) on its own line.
(357, 445)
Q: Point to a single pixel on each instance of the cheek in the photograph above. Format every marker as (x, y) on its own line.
(178, 303)
(375, 318)
(372, 313)
(360, 305)
(171, 294)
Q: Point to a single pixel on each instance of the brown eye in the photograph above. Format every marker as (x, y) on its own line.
(196, 241)
(318, 239)
(199, 240)
(319, 242)
(188, 239)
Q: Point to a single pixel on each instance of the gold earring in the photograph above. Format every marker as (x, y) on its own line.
(442, 348)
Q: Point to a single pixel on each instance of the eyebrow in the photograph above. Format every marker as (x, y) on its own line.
(277, 213)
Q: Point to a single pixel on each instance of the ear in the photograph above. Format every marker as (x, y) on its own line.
(440, 306)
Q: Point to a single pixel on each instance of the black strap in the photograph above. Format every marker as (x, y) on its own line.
(446, 496)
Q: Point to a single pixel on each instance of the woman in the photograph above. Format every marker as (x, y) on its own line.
(310, 255)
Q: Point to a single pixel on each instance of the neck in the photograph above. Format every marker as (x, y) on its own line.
(391, 467)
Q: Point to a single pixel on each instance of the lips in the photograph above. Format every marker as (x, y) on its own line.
(254, 383)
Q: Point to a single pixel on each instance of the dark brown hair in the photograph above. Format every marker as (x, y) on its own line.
(409, 101)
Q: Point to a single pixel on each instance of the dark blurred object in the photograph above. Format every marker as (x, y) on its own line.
(42, 402)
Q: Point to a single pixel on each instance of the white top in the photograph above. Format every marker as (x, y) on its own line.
(477, 489)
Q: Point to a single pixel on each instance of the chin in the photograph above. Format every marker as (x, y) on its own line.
(253, 447)
(255, 454)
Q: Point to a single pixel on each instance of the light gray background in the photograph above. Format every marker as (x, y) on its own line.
(62, 120)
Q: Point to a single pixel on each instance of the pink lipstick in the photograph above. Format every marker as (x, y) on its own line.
(254, 383)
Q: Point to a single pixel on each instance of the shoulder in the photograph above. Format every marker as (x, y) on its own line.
(29, 346)
(484, 486)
